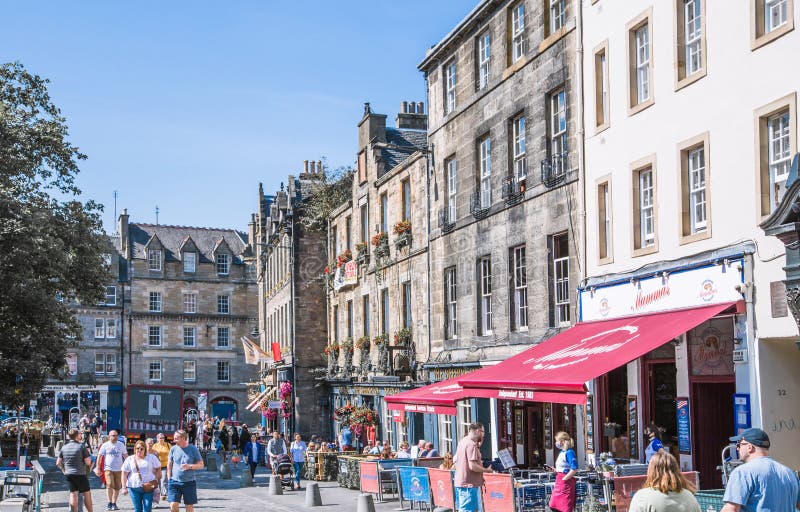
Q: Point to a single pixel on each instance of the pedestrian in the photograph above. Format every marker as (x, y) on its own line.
(469, 469)
(386, 452)
(275, 447)
(653, 433)
(235, 439)
(225, 440)
(420, 447)
(564, 492)
(403, 452)
(244, 438)
(161, 448)
(666, 489)
(253, 454)
(140, 476)
(110, 457)
(761, 484)
(94, 430)
(430, 451)
(298, 449)
(184, 460)
(192, 430)
(447, 461)
(73, 459)
(346, 439)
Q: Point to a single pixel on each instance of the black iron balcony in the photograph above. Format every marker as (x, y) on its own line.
(554, 170)
(477, 207)
(446, 224)
(513, 191)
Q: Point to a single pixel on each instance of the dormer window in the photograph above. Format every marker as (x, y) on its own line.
(190, 262)
(154, 260)
(223, 263)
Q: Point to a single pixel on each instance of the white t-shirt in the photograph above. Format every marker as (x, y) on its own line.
(114, 454)
(147, 467)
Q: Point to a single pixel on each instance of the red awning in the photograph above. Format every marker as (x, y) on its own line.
(437, 398)
(557, 369)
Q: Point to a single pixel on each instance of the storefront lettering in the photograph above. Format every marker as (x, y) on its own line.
(645, 299)
(575, 351)
(515, 394)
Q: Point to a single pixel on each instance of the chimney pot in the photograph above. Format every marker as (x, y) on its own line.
(404, 106)
(319, 166)
(421, 107)
(313, 167)
(305, 166)
(412, 107)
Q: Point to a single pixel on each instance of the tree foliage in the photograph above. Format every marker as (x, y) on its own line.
(333, 189)
(52, 245)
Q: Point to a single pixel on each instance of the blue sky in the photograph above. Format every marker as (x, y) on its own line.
(189, 105)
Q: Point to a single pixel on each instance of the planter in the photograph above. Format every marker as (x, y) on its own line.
(403, 240)
(382, 250)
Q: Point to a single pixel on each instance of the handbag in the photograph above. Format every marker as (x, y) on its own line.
(150, 486)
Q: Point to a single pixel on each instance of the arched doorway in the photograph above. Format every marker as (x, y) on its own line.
(224, 408)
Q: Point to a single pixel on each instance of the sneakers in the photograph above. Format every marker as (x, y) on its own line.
(114, 507)
(110, 506)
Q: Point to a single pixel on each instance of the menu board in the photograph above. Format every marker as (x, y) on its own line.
(633, 427)
(589, 423)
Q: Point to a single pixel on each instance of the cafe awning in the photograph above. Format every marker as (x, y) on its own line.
(557, 369)
(436, 398)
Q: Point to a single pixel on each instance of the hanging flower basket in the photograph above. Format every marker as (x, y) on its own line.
(402, 227)
(363, 344)
(402, 337)
(380, 340)
(269, 414)
(347, 345)
(344, 257)
(332, 349)
(381, 243)
(362, 252)
(285, 390)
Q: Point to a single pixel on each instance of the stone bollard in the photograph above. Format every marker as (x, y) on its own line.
(365, 503)
(247, 478)
(53, 441)
(204, 454)
(59, 445)
(212, 463)
(225, 471)
(275, 487)
(313, 498)
(51, 451)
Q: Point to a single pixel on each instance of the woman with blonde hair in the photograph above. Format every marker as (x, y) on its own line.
(666, 489)
(140, 476)
(447, 461)
(564, 491)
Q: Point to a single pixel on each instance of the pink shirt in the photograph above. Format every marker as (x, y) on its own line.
(466, 451)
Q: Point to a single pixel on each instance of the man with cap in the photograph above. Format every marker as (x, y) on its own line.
(761, 483)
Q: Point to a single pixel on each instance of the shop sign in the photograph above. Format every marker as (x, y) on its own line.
(741, 412)
(713, 284)
(740, 356)
(684, 428)
(76, 387)
(415, 484)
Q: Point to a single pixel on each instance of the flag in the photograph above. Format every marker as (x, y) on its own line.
(253, 353)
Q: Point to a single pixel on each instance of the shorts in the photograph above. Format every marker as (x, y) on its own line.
(78, 483)
(186, 490)
(468, 499)
(114, 480)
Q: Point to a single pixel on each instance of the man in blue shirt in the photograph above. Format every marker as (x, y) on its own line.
(761, 483)
(346, 439)
(184, 460)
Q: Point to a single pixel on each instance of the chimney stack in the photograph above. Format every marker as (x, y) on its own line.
(371, 127)
(319, 166)
(412, 116)
(305, 166)
(122, 227)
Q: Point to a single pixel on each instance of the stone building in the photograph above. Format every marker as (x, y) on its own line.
(191, 298)
(691, 116)
(290, 254)
(505, 246)
(93, 378)
(377, 274)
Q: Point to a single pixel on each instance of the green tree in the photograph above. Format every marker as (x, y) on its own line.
(52, 245)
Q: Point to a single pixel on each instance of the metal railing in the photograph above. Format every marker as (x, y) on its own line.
(554, 170)
(477, 208)
(446, 224)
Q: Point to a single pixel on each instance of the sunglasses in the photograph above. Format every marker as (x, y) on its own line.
(740, 443)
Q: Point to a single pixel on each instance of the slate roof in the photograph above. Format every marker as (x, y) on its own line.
(173, 237)
(413, 139)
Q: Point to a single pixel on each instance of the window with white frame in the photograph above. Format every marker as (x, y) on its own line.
(189, 371)
(601, 86)
(778, 130)
(604, 220)
(154, 335)
(485, 296)
(520, 283)
(558, 131)
(557, 15)
(464, 417)
(111, 295)
(389, 424)
(642, 44)
(154, 260)
(223, 337)
(406, 290)
(560, 250)
(111, 328)
(451, 304)
(154, 371)
(189, 336)
(446, 433)
(385, 311)
(452, 189)
(99, 328)
(365, 316)
(775, 14)
(223, 371)
(384, 213)
(647, 224)
(696, 163)
(450, 86)
(365, 223)
(693, 35)
(190, 262)
(517, 32)
(190, 303)
(485, 171)
(223, 263)
(484, 55)
(105, 364)
(406, 192)
(155, 302)
(520, 164)
(223, 304)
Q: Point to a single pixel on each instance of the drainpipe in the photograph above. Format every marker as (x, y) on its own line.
(428, 157)
(292, 323)
(581, 135)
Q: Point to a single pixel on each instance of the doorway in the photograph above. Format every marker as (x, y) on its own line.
(535, 436)
(712, 407)
(662, 390)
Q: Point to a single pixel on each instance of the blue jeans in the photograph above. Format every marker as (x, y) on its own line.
(468, 499)
(298, 471)
(142, 501)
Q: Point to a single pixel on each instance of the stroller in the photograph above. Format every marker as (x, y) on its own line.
(285, 470)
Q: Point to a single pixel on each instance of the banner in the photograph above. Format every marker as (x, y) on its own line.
(684, 428)
(498, 493)
(442, 488)
(253, 353)
(415, 484)
(276, 351)
(369, 476)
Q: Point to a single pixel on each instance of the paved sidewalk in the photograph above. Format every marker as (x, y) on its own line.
(217, 494)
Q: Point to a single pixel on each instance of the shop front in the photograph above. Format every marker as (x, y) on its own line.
(64, 402)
